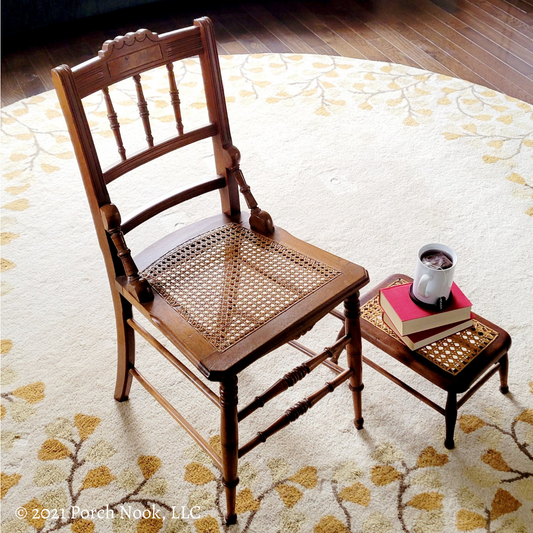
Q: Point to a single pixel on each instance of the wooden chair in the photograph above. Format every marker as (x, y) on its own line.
(226, 290)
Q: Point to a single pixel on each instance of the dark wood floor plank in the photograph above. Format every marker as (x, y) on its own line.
(272, 24)
(11, 90)
(315, 24)
(489, 42)
(516, 43)
(503, 15)
(259, 31)
(386, 26)
(497, 69)
(303, 32)
(240, 33)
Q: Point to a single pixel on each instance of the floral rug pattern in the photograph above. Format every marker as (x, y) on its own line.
(75, 461)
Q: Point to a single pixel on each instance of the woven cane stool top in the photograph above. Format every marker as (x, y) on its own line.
(230, 281)
(453, 353)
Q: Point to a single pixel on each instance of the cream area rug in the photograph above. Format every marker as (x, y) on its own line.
(367, 160)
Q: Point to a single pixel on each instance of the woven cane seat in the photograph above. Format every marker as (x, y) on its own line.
(230, 281)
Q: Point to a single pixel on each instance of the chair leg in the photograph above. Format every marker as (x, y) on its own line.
(451, 418)
(354, 354)
(504, 369)
(229, 439)
(126, 347)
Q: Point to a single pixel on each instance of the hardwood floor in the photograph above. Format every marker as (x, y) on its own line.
(489, 42)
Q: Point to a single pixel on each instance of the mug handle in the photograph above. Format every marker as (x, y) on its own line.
(422, 285)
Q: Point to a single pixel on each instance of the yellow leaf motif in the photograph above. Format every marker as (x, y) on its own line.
(49, 168)
(356, 493)
(451, 136)
(207, 524)
(149, 465)
(387, 68)
(394, 86)
(289, 494)
(245, 94)
(82, 525)
(309, 92)
(322, 111)
(526, 416)
(369, 76)
(20, 112)
(394, 102)
(24, 136)
(430, 457)
(17, 190)
(98, 477)
(427, 501)
(384, 474)
(469, 101)
(32, 393)
(262, 84)
(6, 344)
(506, 119)
(489, 94)
(53, 449)
(52, 113)
(272, 100)
(3, 412)
(344, 66)
(246, 502)
(444, 101)
(468, 520)
(330, 524)
(516, 178)
(332, 74)
(484, 118)
(410, 121)
(198, 474)
(296, 57)
(86, 424)
(472, 128)
(470, 423)
(358, 87)
(6, 264)
(6, 237)
(215, 442)
(528, 143)
(12, 175)
(490, 159)
(320, 65)
(495, 144)
(495, 460)
(425, 112)
(149, 525)
(306, 476)
(8, 481)
(34, 514)
(17, 156)
(503, 503)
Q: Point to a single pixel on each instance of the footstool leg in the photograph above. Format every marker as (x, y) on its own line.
(504, 369)
(451, 418)
(354, 354)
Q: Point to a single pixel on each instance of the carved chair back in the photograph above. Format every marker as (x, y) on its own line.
(131, 56)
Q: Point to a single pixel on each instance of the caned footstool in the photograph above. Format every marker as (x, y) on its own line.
(460, 363)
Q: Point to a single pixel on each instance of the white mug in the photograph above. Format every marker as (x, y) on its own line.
(432, 285)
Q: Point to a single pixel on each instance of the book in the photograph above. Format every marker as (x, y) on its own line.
(409, 318)
(418, 340)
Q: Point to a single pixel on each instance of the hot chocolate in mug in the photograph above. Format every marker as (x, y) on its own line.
(433, 278)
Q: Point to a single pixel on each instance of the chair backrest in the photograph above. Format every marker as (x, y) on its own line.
(130, 56)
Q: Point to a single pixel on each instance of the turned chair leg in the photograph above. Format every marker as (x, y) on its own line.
(504, 369)
(229, 440)
(354, 354)
(125, 345)
(451, 418)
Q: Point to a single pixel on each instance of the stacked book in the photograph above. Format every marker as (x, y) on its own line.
(418, 327)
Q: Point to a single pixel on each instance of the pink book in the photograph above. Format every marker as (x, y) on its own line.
(409, 318)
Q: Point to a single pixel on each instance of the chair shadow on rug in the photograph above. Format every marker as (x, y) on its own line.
(226, 290)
